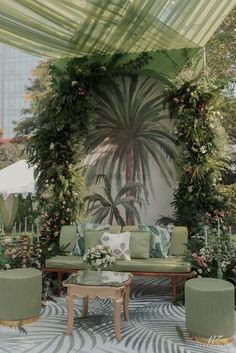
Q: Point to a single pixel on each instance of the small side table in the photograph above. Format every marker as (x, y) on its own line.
(101, 284)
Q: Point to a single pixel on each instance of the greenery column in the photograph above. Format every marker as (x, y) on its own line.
(192, 103)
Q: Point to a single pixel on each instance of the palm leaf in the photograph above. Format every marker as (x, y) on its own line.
(96, 198)
(107, 186)
(130, 113)
(100, 214)
(92, 208)
(118, 217)
(135, 188)
(129, 207)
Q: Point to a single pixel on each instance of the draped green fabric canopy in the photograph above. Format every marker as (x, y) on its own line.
(56, 28)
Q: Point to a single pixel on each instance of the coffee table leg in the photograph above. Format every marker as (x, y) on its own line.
(117, 305)
(85, 307)
(126, 302)
(70, 313)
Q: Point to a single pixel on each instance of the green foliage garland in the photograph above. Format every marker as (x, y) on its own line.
(62, 117)
(197, 127)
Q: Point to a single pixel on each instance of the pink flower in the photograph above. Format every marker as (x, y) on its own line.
(176, 100)
(189, 169)
(201, 261)
(202, 107)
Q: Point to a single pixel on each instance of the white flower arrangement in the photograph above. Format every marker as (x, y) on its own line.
(99, 257)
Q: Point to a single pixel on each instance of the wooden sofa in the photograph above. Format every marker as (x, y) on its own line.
(173, 267)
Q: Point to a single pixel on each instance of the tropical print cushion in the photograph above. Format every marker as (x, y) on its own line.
(160, 240)
(79, 248)
(119, 244)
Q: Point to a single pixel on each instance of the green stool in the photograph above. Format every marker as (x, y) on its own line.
(20, 296)
(209, 305)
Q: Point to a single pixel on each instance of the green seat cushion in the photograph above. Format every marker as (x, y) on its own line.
(172, 264)
(139, 245)
(65, 262)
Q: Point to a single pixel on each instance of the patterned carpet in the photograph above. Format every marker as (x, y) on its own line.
(155, 326)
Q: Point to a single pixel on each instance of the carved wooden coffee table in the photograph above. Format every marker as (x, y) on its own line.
(101, 284)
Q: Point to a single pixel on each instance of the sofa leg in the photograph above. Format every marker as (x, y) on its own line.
(173, 284)
(59, 279)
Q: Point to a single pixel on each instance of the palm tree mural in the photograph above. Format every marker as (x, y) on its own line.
(130, 131)
(100, 206)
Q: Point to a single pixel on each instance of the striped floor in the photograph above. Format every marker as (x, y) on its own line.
(155, 326)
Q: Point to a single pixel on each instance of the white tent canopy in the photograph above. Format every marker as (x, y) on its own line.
(15, 179)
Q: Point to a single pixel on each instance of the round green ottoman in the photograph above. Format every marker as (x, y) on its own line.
(20, 296)
(209, 305)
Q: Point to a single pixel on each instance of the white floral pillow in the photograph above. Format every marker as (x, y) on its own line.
(119, 244)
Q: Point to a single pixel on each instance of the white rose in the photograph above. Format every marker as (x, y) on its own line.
(190, 189)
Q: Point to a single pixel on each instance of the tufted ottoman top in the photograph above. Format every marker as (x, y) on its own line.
(208, 284)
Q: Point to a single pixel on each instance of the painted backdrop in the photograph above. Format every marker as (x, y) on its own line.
(133, 141)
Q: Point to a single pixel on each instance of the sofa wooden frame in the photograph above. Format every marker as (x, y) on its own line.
(172, 275)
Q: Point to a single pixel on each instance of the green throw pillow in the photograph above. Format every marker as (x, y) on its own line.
(140, 245)
(67, 238)
(92, 238)
(90, 228)
(160, 240)
(80, 247)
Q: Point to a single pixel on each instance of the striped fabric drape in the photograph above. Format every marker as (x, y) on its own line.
(56, 28)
